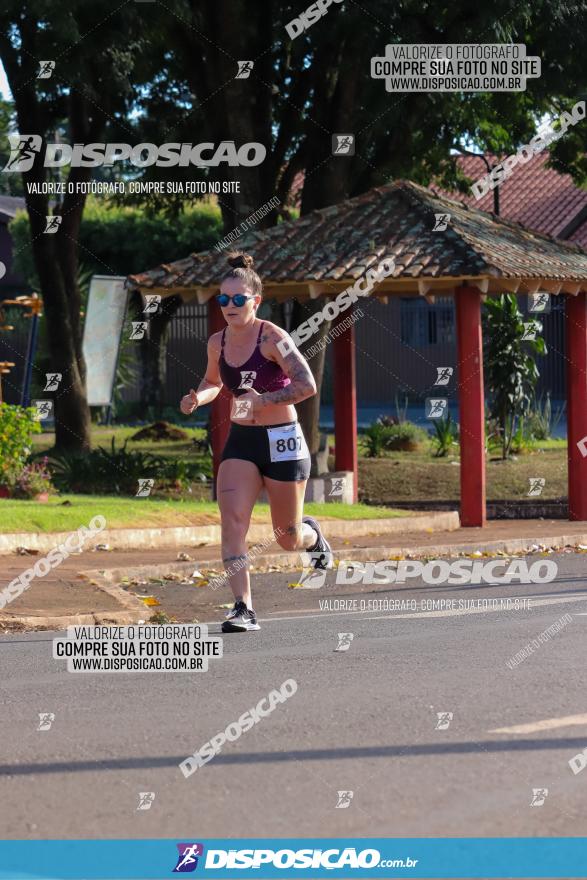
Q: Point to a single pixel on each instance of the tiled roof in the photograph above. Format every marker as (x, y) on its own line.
(9, 205)
(538, 197)
(395, 221)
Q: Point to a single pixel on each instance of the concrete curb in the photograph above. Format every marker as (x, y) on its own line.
(105, 579)
(194, 536)
(366, 554)
(134, 610)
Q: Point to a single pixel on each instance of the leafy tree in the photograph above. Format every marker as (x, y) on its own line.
(511, 371)
(86, 90)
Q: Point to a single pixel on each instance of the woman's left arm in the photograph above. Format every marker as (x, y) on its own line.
(293, 364)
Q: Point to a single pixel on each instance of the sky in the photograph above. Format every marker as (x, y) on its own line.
(4, 90)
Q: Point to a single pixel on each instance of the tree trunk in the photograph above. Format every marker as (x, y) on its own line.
(154, 352)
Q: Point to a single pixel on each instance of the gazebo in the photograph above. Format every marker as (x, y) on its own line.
(476, 256)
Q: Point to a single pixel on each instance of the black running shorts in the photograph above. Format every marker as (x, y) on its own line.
(279, 451)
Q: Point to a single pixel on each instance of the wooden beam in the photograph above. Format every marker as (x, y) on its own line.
(203, 295)
(572, 288)
(471, 406)
(552, 286)
(576, 333)
(316, 290)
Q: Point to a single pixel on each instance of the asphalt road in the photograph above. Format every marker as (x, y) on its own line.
(364, 720)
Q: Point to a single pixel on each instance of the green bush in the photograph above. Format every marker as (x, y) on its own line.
(120, 240)
(445, 433)
(118, 471)
(17, 426)
(388, 435)
(32, 480)
(405, 436)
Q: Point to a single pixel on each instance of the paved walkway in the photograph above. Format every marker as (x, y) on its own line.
(65, 591)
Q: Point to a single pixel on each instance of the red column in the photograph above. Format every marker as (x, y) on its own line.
(220, 409)
(576, 331)
(471, 406)
(345, 405)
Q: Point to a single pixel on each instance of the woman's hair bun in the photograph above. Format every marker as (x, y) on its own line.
(240, 260)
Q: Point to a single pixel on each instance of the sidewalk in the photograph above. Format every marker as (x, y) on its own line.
(86, 588)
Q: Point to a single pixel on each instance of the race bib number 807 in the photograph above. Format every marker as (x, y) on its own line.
(287, 443)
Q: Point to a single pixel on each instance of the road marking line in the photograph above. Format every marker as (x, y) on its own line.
(459, 612)
(533, 600)
(547, 724)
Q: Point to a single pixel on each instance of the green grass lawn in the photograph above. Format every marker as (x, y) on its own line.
(396, 477)
(102, 436)
(52, 516)
(416, 476)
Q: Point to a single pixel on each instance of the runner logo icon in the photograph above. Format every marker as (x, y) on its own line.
(187, 860)
(23, 150)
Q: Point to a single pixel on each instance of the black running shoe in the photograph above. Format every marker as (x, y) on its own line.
(240, 619)
(321, 553)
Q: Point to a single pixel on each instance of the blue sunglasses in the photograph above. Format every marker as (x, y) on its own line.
(239, 299)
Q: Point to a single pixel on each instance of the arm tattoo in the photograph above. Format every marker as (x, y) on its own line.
(302, 383)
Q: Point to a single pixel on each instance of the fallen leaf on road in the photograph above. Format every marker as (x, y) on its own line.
(227, 605)
(25, 551)
(184, 557)
(102, 547)
(150, 600)
(295, 586)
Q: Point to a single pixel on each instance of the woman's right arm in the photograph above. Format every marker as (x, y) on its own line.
(211, 385)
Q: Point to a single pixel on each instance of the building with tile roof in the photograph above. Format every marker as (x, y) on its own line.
(436, 247)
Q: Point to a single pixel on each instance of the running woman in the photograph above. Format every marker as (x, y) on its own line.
(265, 445)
